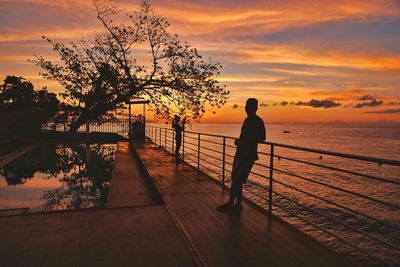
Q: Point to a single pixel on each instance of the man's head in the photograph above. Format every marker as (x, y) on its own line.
(177, 118)
(251, 106)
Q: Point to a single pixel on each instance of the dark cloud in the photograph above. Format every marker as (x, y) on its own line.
(326, 103)
(284, 103)
(385, 111)
(261, 105)
(372, 102)
(393, 103)
(274, 104)
(366, 97)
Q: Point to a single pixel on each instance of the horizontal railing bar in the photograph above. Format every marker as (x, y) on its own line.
(339, 154)
(328, 232)
(228, 171)
(254, 193)
(336, 204)
(211, 163)
(194, 150)
(319, 151)
(203, 153)
(209, 169)
(260, 175)
(214, 135)
(339, 169)
(204, 147)
(190, 137)
(230, 146)
(339, 222)
(229, 155)
(186, 142)
(258, 185)
(340, 189)
(263, 153)
(261, 165)
(212, 142)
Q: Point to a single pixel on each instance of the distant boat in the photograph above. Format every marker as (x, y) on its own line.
(286, 131)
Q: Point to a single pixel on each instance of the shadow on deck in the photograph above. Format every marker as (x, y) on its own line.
(160, 214)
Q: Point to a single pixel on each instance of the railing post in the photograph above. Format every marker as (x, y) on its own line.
(271, 177)
(223, 161)
(160, 137)
(165, 138)
(173, 141)
(183, 146)
(198, 152)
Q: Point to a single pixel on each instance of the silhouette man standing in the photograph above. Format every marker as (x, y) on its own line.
(178, 127)
(252, 132)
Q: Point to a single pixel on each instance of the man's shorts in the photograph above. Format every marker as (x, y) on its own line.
(241, 169)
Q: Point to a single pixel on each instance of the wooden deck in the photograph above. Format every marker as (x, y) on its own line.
(128, 187)
(245, 239)
(143, 236)
(185, 231)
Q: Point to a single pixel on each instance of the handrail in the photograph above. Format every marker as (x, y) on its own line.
(216, 158)
(313, 150)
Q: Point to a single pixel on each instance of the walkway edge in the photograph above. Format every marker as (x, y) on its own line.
(194, 252)
(150, 183)
(16, 154)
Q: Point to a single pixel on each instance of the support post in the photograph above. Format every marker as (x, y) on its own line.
(160, 137)
(165, 138)
(129, 123)
(183, 146)
(223, 161)
(173, 142)
(271, 177)
(198, 152)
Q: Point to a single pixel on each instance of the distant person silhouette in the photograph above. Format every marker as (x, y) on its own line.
(252, 132)
(178, 126)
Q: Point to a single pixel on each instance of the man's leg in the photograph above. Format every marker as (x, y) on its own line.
(234, 187)
(246, 167)
(239, 195)
(178, 147)
(235, 191)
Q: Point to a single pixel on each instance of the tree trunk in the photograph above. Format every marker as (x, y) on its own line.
(76, 124)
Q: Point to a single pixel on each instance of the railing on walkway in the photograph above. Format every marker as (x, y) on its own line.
(120, 126)
(335, 197)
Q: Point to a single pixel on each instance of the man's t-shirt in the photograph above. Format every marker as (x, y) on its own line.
(253, 131)
(178, 130)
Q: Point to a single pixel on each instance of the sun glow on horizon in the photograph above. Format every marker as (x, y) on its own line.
(335, 60)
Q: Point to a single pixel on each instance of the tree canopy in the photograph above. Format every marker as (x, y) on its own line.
(138, 59)
(18, 94)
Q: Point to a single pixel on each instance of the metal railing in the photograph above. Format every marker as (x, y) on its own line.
(120, 126)
(310, 187)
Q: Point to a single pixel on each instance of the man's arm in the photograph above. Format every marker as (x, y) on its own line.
(262, 136)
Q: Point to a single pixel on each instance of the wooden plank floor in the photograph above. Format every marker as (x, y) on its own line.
(141, 236)
(128, 185)
(245, 239)
(130, 236)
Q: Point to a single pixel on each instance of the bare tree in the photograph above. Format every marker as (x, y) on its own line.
(138, 59)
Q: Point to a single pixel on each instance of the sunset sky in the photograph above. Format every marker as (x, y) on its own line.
(304, 60)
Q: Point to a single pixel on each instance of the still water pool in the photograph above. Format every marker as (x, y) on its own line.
(58, 177)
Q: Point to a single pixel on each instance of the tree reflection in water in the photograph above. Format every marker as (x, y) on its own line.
(84, 172)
